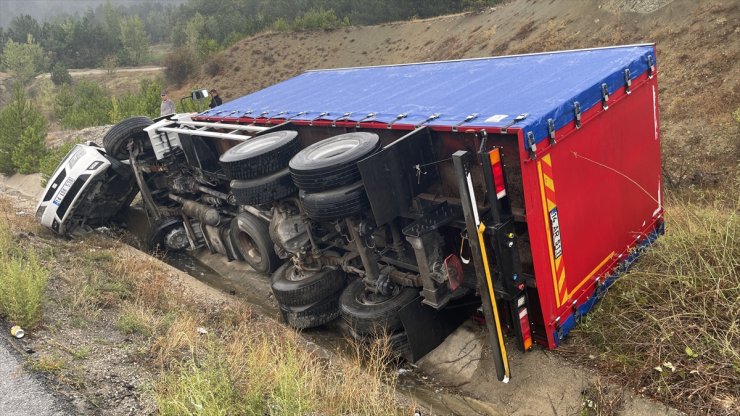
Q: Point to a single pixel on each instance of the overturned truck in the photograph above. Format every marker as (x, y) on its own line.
(404, 198)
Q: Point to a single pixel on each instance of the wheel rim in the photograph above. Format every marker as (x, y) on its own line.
(368, 298)
(332, 150)
(120, 150)
(256, 146)
(249, 248)
(292, 276)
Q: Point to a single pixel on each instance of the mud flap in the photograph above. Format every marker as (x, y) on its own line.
(426, 327)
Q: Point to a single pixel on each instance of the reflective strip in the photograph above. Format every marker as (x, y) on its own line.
(552, 225)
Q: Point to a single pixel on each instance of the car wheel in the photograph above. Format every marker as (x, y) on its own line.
(332, 162)
(117, 138)
(261, 155)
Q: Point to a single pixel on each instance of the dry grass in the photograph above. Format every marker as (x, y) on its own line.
(220, 359)
(257, 368)
(671, 327)
(207, 358)
(602, 399)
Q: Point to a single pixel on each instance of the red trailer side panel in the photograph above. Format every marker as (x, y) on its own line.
(591, 198)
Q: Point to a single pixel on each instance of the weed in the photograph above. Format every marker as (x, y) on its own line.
(23, 282)
(180, 338)
(48, 364)
(262, 369)
(137, 319)
(81, 353)
(200, 387)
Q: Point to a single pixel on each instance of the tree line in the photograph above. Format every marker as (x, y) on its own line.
(111, 34)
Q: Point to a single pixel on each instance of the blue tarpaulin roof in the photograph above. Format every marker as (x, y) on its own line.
(498, 89)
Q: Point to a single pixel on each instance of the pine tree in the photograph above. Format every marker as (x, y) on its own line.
(16, 118)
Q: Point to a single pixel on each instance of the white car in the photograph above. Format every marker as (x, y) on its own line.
(88, 189)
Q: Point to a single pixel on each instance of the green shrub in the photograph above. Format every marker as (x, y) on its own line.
(202, 388)
(23, 282)
(144, 103)
(84, 104)
(319, 19)
(132, 321)
(60, 74)
(180, 65)
(19, 119)
(29, 151)
(281, 25)
(477, 5)
(51, 158)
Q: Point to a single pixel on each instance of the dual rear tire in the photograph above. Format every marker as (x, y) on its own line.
(328, 177)
(307, 299)
(258, 167)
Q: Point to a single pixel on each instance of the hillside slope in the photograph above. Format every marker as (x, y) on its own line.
(698, 58)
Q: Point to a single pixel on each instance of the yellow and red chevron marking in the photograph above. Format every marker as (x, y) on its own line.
(552, 225)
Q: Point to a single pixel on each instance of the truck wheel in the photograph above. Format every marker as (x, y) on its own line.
(261, 155)
(167, 234)
(313, 315)
(296, 289)
(331, 163)
(118, 137)
(253, 242)
(370, 313)
(263, 190)
(335, 204)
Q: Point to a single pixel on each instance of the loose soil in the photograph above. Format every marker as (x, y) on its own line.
(698, 60)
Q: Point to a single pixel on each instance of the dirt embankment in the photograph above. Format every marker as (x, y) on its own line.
(698, 59)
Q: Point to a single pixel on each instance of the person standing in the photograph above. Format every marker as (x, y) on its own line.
(167, 106)
(215, 99)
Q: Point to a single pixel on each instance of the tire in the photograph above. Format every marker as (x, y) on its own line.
(313, 315)
(261, 155)
(291, 289)
(332, 162)
(234, 238)
(367, 313)
(158, 231)
(335, 204)
(117, 138)
(253, 243)
(263, 190)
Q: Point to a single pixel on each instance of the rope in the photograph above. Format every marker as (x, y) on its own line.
(577, 156)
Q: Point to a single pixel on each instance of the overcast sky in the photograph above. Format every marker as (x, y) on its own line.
(45, 9)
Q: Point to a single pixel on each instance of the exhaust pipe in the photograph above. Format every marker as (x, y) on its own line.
(204, 213)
